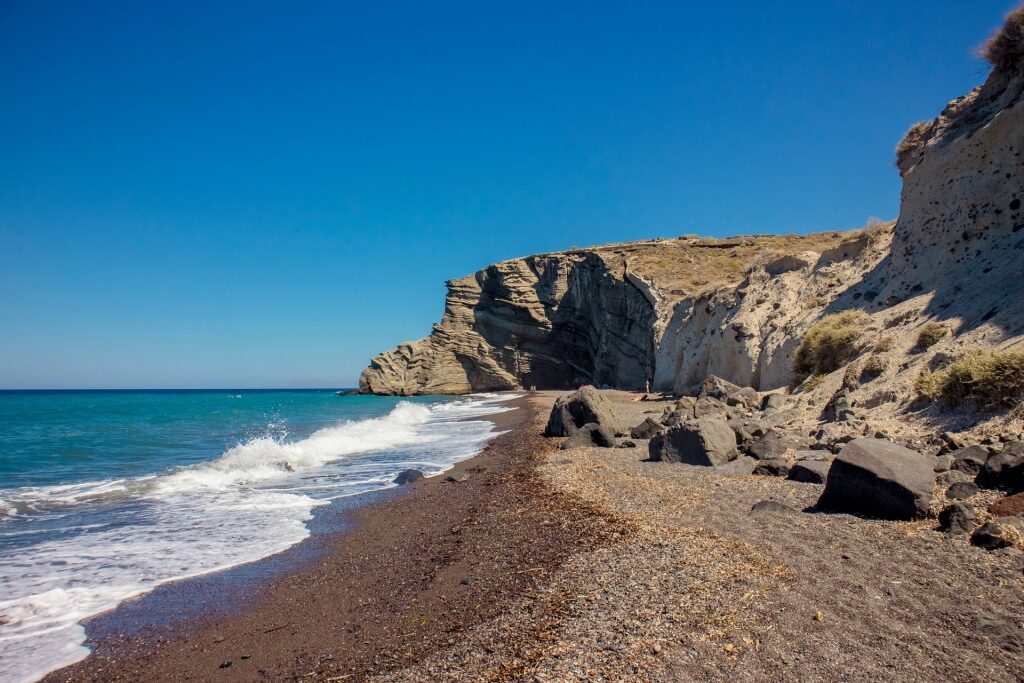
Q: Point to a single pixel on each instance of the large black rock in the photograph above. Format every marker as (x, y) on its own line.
(878, 478)
(705, 441)
(579, 408)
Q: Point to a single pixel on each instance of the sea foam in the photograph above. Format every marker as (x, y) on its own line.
(105, 541)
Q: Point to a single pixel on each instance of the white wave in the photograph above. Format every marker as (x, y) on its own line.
(250, 503)
(267, 458)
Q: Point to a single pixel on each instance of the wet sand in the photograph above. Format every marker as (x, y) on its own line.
(378, 586)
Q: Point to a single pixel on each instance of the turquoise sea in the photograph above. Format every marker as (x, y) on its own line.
(107, 494)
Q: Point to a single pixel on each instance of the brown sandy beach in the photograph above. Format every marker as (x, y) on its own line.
(594, 564)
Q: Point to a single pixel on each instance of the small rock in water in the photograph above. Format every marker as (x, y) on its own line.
(408, 476)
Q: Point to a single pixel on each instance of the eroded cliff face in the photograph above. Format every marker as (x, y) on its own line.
(551, 321)
(674, 311)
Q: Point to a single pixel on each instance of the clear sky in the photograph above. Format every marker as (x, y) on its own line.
(241, 194)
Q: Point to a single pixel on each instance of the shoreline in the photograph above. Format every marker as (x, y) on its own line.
(382, 582)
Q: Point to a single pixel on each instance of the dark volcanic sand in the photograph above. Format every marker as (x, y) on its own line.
(411, 571)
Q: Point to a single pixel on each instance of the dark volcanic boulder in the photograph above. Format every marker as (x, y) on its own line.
(746, 397)
(1005, 470)
(810, 470)
(962, 490)
(646, 429)
(772, 506)
(957, 519)
(408, 476)
(707, 407)
(590, 436)
(771, 445)
(774, 467)
(999, 533)
(970, 460)
(879, 478)
(716, 387)
(706, 441)
(581, 407)
(742, 466)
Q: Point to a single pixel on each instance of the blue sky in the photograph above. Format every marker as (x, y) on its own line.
(198, 194)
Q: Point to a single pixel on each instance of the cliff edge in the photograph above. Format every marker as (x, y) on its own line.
(671, 312)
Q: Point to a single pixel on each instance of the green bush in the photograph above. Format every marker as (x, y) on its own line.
(989, 378)
(930, 335)
(830, 343)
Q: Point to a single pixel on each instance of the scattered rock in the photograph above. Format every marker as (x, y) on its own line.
(943, 463)
(587, 405)
(962, 490)
(408, 476)
(1005, 470)
(773, 444)
(646, 429)
(771, 506)
(774, 467)
(746, 397)
(810, 471)
(970, 460)
(224, 665)
(951, 477)
(457, 477)
(773, 402)
(957, 519)
(953, 440)
(709, 407)
(1008, 506)
(627, 443)
(589, 436)
(840, 409)
(832, 436)
(705, 441)
(999, 533)
(716, 387)
(740, 467)
(879, 478)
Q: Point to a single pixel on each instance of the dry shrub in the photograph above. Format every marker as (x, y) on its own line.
(884, 344)
(830, 343)
(990, 378)
(813, 382)
(931, 334)
(1005, 49)
(873, 367)
(913, 140)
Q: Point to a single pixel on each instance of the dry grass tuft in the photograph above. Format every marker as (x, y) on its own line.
(830, 343)
(1005, 49)
(930, 335)
(913, 140)
(990, 378)
(873, 367)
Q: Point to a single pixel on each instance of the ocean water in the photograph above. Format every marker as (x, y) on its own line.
(105, 495)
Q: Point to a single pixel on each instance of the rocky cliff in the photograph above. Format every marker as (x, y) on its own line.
(674, 311)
